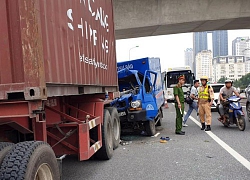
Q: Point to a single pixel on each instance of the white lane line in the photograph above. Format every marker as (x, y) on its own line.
(230, 150)
(225, 146)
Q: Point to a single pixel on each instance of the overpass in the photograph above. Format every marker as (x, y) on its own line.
(140, 18)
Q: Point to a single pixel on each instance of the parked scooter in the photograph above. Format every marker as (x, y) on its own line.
(234, 113)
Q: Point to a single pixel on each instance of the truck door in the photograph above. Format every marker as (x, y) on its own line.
(149, 100)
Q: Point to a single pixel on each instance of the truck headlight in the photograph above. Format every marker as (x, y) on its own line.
(136, 104)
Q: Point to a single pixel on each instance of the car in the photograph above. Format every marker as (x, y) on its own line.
(216, 88)
(247, 91)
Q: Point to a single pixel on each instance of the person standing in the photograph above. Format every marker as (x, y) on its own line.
(205, 101)
(179, 104)
(194, 105)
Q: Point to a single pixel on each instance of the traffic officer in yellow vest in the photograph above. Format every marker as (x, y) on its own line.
(205, 101)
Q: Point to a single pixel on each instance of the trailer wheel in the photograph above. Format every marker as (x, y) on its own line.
(116, 126)
(150, 128)
(30, 160)
(106, 151)
(4, 149)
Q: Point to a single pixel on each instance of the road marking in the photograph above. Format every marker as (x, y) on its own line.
(230, 150)
(225, 146)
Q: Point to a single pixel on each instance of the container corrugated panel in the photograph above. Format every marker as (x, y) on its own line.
(54, 48)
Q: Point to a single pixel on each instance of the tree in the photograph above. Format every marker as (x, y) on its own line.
(222, 80)
(243, 82)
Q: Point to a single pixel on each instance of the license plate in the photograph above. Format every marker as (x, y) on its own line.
(122, 114)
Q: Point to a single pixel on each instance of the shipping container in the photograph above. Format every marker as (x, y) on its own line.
(55, 48)
(57, 79)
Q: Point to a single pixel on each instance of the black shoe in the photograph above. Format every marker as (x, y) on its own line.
(208, 128)
(203, 126)
(183, 132)
(180, 133)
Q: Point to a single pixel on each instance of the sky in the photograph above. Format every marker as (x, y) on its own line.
(169, 48)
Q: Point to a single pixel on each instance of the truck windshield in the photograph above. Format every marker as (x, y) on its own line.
(130, 82)
(172, 78)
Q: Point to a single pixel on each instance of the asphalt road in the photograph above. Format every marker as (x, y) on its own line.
(193, 156)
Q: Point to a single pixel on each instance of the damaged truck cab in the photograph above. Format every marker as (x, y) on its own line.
(141, 100)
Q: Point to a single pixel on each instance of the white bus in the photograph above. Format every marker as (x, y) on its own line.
(170, 78)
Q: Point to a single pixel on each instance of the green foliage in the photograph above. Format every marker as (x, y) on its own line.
(222, 80)
(243, 82)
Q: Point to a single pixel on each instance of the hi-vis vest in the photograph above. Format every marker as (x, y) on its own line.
(204, 94)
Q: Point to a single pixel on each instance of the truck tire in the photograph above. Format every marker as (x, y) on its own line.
(160, 116)
(5, 147)
(150, 128)
(116, 125)
(107, 150)
(30, 160)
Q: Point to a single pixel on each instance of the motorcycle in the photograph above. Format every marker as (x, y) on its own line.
(234, 113)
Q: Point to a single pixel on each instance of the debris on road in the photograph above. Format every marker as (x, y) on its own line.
(124, 143)
(157, 134)
(164, 139)
(209, 157)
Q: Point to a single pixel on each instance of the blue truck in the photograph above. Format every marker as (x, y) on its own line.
(142, 98)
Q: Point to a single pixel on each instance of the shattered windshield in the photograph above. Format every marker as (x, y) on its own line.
(130, 82)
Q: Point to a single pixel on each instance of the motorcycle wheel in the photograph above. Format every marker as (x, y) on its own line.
(241, 123)
(226, 124)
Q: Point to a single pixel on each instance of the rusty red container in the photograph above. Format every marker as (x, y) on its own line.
(56, 48)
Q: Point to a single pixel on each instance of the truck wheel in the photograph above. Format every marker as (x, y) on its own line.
(4, 149)
(150, 128)
(116, 126)
(106, 151)
(159, 117)
(30, 160)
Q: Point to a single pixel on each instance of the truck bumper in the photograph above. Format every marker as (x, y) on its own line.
(134, 116)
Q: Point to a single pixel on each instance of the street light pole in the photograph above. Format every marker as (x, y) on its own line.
(131, 49)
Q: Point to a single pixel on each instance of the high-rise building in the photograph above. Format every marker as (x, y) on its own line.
(240, 46)
(199, 44)
(204, 64)
(231, 67)
(220, 43)
(189, 57)
(247, 66)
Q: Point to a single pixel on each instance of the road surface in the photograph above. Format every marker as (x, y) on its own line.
(197, 155)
